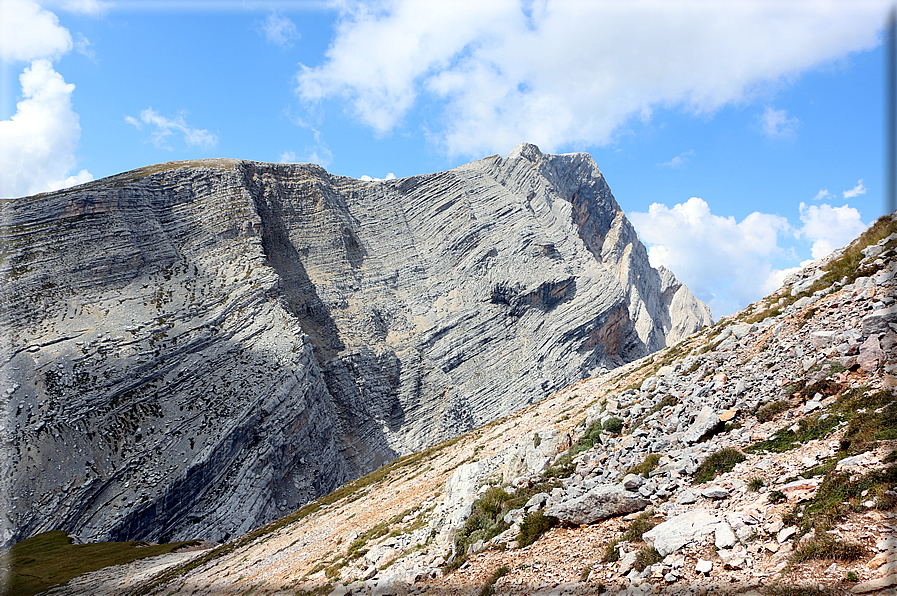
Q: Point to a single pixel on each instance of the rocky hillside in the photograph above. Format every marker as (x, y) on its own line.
(198, 348)
(758, 456)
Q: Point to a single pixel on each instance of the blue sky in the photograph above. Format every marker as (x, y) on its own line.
(741, 138)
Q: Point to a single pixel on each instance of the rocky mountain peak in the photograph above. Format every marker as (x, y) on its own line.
(197, 348)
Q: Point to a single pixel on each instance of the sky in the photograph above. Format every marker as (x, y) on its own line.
(741, 137)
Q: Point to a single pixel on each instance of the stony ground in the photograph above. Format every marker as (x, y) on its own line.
(787, 409)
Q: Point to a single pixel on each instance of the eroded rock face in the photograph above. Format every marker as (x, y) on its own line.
(195, 349)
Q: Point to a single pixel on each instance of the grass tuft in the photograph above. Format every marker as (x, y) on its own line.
(717, 463)
(533, 526)
(639, 526)
(645, 558)
(489, 588)
(824, 547)
(649, 463)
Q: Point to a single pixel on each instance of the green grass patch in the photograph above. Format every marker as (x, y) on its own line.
(771, 410)
(649, 463)
(613, 425)
(838, 495)
(808, 428)
(487, 518)
(564, 466)
(645, 558)
(639, 526)
(611, 552)
(717, 463)
(50, 559)
(533, 526)
(824, 547)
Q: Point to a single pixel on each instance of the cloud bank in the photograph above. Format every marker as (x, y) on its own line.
(729, 264)
(567, 73)
(38, 143)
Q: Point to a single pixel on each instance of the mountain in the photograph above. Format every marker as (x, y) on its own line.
(757, 456)
(195, 349)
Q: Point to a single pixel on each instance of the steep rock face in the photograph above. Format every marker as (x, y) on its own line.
(193, 349)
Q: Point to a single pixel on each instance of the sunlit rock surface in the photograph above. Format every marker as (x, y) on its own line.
(196, 348)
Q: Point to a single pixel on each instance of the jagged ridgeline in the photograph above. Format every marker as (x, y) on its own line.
(196, 348)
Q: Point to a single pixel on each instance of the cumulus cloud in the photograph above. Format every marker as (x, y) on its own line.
(570, 73)
(729, 264)
(165, 127)
(726, 263)
(37, 145)
(678, 161)
(776, 123)
(829, 227)
(822, 194)
(389, 176)
(856, 191)
(280, 31)
(288, 157)
(28, 32)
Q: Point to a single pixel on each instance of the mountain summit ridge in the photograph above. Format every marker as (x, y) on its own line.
(196, 348)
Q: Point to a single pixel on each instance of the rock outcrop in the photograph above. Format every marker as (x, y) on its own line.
(196, 348)
(793, 488)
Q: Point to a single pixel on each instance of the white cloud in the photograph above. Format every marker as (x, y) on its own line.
(389, 176)
(37, 145)
(84, 47)
(822, 194)
(287, 157)
(28, 32)
(280, 31)
(165, 127)
(571, 73)
(88, 7)
(856, 191)
(678, 161)
(776, 124)
(726, 263)
(829, 227)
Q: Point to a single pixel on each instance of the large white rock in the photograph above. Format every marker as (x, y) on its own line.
(706, 420)
(603, 501)
(673, 534)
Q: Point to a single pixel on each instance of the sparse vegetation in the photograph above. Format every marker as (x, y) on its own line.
(611, 552)
(49, 559)
(717, 463)
(837, 495)
(646, 557)
(808, 428)
(533, 526)
(613, 425)
(825, 547)
(771, 410)
(775, 496)
(639, 526)
(756, 483)
(564, 466)
(649, 463)
(489, 588)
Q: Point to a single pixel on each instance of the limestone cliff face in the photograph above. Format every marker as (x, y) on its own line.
(194, 349)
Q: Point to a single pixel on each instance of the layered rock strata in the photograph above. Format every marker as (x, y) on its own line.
(196, 348)
(772, 384)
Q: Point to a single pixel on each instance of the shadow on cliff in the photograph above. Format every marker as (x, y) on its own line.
(364, 387)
